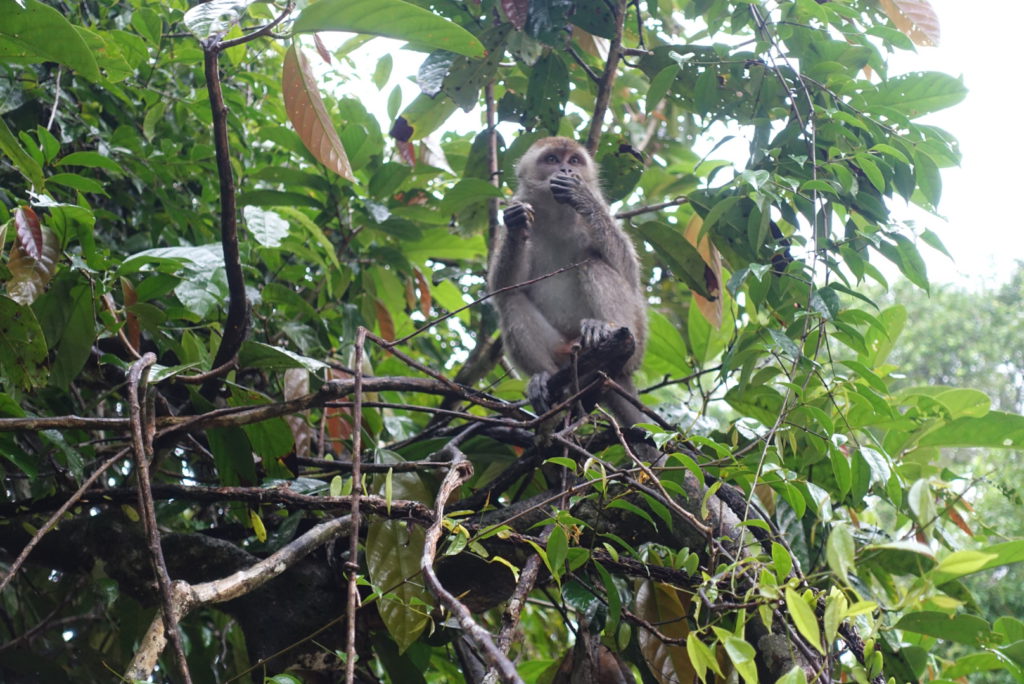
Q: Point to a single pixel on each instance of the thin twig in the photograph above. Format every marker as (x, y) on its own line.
(604, 86)
(357, 492)
(58, 515)
(142, 450)
(262, 31)
(650, 208)
(431, 324)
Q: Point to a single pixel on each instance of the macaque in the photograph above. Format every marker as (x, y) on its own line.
(556, 218)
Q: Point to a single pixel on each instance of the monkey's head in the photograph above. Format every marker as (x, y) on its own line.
(549, 157)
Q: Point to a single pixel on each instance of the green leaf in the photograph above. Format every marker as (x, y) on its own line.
(995, 430)
(928, 178)
(91, 160)
(210, 21)
(548, 91)
(34, 32)
(918, 93)
(467, 192)
(393, 552)
(68, 319)
(963, 629)
(742, 655)
(266, 226)
(22, 346)
(259, 355)
(840, 551)
(26, 165)
(996, 555)
(77, 182)
(389, 18)
(681, 256)
(666, 349)
(757, 401)
(659, 86)
(804, 619)
(557, 549)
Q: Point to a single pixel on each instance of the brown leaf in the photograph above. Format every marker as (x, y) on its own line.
(916, 18)
(958, 520)
(308, 115)
(662, 605)
(712, 309)
(321, 48)
(384, 321)
(426, 300)
(33, 259)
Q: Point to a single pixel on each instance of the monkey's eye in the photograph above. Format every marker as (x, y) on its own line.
(576, 159)
(551, 159)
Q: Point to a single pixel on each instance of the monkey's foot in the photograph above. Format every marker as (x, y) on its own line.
(594, 331)
(537, 392)
(566, 189)
(519, 218)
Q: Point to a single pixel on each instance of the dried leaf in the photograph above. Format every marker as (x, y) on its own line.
(426, 300)
(321, 49)
(33, 257)
(662, 605)
(712, 309)
(384, 320)
(132, 330)
(916, 18)
(308, 115)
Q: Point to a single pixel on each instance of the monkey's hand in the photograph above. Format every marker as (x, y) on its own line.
(569, 189)
(519, 219)
(594, 331)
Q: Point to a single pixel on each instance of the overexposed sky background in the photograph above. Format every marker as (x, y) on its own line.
(980, 225)
(983, 230)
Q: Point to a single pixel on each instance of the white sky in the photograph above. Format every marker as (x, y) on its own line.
(984, 230)
(982, 227)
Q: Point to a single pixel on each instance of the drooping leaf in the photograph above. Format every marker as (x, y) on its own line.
(804, 619)
(308, 115)
(266, 226)
(963, 629)
(548, 91)
(389, 18)
(22, 346)
(393, 551)
(34, 32)
(681, 256)
(33, 258)
(668, 608)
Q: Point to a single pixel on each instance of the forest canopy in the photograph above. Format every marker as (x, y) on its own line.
(255, 419)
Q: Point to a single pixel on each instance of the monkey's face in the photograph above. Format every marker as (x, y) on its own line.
(553, 157)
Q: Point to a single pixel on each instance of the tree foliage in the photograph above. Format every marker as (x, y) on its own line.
(244, 332)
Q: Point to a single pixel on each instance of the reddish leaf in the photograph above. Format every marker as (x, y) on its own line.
(916, 18)
(407, 151)
(516, 11)
(321, 48)
(308, 115)
(33, 258)
(384, 321)
(958, 520)
(426, 300)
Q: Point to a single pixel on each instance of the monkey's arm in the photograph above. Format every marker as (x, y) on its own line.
(530, 339)
(607, 238)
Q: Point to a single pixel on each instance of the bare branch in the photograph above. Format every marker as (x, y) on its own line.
(142, 452)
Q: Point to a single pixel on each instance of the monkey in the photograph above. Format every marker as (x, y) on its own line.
(559, 217)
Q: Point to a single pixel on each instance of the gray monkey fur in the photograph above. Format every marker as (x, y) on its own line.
(556, 218)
